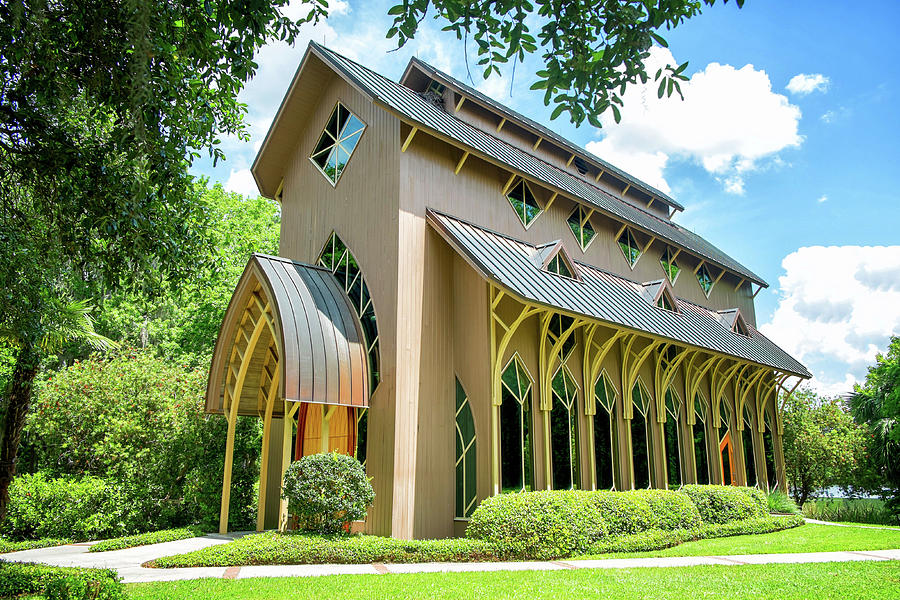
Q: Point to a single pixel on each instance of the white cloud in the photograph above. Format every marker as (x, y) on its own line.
(730, 122)
(804, 84)
(242, 182)
(822, 199)
(838, 307)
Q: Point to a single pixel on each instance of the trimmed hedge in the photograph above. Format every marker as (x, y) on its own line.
(58, 583)
(539, 525)
(647, 541)
(670, 509)
(143, 539)
(13, 546)
(273, 548)
(725, 503)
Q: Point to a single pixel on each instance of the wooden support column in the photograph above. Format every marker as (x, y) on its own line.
(326, 427)
(287, 447)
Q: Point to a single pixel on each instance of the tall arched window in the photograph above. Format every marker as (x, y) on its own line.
(640, 435)
(605, 439)
(673, 439)
(338, 259)
(725, 449)
(769, 448)
(564, 464)
(701, 456)
(516, 427)
(465, 455)
(747, 438)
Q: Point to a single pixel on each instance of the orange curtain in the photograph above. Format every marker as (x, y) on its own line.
(341, 430)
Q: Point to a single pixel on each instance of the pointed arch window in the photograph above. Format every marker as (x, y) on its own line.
(558, 324)
(516, 428)
(564, 463)
(338, 259)
(580, 224)
(630, 247)
(672, 432)
(701, 456)
(641, 443)
(749, 456)
(769, 450)
(705, 280)
(524, 203)
(465, 455)
(605, 432)
(337, 143)
(671, 268)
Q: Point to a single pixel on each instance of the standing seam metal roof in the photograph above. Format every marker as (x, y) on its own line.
(604, 296)
(409, 104)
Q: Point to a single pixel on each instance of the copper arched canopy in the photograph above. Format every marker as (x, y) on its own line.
(289, 332)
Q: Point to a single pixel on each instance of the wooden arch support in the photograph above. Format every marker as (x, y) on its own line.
(550, 358)
(593, 363)
(744, 393)
(630, 370)
(664, 377)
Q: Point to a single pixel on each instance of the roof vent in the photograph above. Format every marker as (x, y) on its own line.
(659, 293)
(580, 165)
(553, 258)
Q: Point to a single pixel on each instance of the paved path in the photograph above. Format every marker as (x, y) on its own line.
(817, 522)
(128, 562)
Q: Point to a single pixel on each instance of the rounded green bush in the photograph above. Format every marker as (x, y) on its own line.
(327, 491)
(670, 509)
(723, 503)
(538, 525)
(759, 497)
(623, 512)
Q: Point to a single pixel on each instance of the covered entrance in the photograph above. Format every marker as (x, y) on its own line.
(290, 351)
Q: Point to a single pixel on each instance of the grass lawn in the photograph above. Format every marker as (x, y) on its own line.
(867, 580)
(808, 538)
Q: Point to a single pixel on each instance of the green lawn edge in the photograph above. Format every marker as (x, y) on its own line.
(143, 539)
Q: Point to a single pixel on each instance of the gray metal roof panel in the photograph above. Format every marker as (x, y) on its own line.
(409, 103)
(544, 131)
(604, 296)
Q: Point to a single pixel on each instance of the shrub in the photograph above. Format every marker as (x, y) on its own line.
(137, 421)
(766, 524)
(17, 546)
(58, 583)
(273, 548)
(723, 503)
(670, 509)
(779, 502)
(85, 508)
(326, 491)
(623, 512)
(143, 539)
(538, 525)
(759, 497)
(858, 510)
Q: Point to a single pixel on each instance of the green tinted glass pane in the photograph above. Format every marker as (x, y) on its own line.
(460, 395)
(509, 379)
(524, 381)
(705, 280)
(471, 482)
(673, 453)
(700, 456)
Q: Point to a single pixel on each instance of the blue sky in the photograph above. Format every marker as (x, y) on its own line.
(784, 152)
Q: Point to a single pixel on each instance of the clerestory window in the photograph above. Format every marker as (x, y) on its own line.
(671, 268)
(705, 280)
(337, 143)
(630, 248)
(524, 203)
(579, 223)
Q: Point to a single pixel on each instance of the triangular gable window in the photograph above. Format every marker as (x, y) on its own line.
(666, 303)
(660, 294)
(741, 327)
(524, 203)
(556, 260)
(734, 320)
(337, 143)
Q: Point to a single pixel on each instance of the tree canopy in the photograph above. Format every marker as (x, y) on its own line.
(591, 51)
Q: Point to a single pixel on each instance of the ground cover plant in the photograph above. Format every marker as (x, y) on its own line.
(143, 539)
(58, 583)
(857, 510)
(7, 545)
(839, 581)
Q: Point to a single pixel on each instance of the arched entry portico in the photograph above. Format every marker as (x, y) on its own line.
(290, 343)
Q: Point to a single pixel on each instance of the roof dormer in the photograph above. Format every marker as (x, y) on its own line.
(660, 294)
(553, 258)
(734, 320)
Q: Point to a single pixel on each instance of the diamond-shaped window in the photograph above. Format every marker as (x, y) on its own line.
(524, 203)
(667, 260)
(580, 224)
(337, 143)
(630, 248)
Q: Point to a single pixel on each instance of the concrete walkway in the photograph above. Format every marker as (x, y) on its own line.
(128, 562)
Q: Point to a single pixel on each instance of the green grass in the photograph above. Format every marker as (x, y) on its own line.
(809, 538)
(11, 546)
(869, 580)
(143, 539)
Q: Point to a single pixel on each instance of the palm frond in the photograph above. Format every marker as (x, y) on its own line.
(71, 322)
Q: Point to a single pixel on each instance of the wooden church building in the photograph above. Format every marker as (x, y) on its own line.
(473, 305)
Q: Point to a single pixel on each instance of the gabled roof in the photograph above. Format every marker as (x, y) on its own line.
(536, 127)
(733, 320)
(654, 290)
(411, 107)
(602, 296)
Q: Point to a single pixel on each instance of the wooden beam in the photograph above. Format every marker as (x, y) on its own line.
(462, 161)
(677, 252)
(740, 283)
(409, 138)
(264, 456)
(649, 204)
(599, 175)
(537, 143)
(286, 448)
(571, 158)
(721, 274)
(550, 201)
(326, 426)
(459, 104)
(619, 232)
(509, 182)
(700, 264)
(502, 123)
(758, 290)
(625, 191)
(649, 242)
